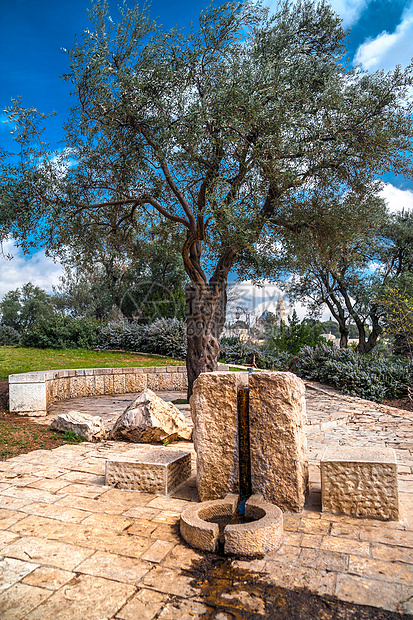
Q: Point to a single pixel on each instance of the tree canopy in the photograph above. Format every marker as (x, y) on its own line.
(228, 130)
(21, 307)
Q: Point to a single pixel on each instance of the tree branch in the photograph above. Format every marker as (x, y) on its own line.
(138, 201)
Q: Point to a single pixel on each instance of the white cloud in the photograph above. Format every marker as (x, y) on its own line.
(397, 199)
(37, 269)
(389, 49)
(348, 10)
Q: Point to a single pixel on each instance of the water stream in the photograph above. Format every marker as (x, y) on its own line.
(244, 449)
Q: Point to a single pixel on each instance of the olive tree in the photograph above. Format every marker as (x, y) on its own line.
(224, 130)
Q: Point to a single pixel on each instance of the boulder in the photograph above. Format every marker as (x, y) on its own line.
(88, 426)
(149, 419)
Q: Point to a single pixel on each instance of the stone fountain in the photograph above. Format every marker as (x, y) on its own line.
(251, 460)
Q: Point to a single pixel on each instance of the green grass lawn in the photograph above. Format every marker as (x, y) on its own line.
(15, 360)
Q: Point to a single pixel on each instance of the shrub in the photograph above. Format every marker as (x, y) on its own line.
(61, 332)
(8, 336)
(245, 353)
(165, 337)
(373, 377)
(121, 334)
(162, 337)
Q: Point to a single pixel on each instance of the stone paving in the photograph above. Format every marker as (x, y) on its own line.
(73, 549)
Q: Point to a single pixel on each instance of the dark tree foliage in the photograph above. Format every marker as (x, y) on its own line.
(142, 281)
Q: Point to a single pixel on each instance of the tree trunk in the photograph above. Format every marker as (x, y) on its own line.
(343, 336)
(206, 305)
(361, 346)
(365, 346)
(338, 313)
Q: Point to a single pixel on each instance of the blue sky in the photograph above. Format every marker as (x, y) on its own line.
(32, 33)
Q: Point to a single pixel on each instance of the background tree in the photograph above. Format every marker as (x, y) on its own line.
(297, 334)
(354, 278)
(143, 278)
(396, 295)
(330, 327)
(226, 131)
(399, 318)
(336, 270)
(21, 307)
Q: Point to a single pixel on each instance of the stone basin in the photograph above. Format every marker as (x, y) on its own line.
(262, 533)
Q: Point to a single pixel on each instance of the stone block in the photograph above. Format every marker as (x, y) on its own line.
(99, 385)
(64, 373)
(214, 413)
(278, 445)
(28, 398)
(50, 392)
(149, 470)
(77, 387)
(163, 382)
(108, 379)
(62, 388)
(141, 382)
(89, 385)
(119, 384)
(99, 371)
(27, 377)
(360, 482)
(130, 383)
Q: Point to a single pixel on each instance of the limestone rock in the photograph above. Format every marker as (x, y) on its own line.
(278, 445)
(88, 426)
(149, 419)
(214, 413)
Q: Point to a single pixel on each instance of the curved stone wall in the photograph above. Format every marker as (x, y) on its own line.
(32, 393)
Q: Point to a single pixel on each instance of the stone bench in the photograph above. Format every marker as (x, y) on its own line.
(31, 393)
(360, 482)
(149, 469)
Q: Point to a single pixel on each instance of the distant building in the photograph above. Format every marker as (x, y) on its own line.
(263, 320)
(331, 338)
(280, 311)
